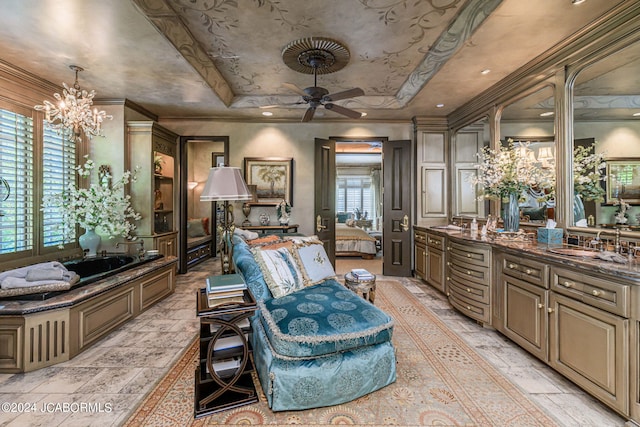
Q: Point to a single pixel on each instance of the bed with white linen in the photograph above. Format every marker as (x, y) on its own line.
(354, 241)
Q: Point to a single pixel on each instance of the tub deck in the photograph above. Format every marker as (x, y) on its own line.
(35, 334)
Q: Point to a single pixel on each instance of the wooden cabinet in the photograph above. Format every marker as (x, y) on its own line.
(153, 149)
(223, 377)
(524, 293)
(435, 263)
(589, 335)
(432, 157)
(469, 279)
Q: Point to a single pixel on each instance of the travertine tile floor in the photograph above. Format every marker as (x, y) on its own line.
(107, 381)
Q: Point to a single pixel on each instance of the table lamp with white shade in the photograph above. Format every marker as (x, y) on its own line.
(225, 184)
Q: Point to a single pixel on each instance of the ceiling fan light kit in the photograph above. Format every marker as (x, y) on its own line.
(319, 55)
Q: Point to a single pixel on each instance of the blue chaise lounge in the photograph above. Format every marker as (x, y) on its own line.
(320, 344)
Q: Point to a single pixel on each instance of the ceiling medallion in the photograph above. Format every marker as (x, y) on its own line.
(315, 54)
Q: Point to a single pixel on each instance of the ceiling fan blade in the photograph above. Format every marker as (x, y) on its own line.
(351, 93)
(343, 110)
(308, 115)
(294, 88)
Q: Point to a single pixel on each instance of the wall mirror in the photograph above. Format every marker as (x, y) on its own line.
(531, 120)
(606, 102)
(468, 142)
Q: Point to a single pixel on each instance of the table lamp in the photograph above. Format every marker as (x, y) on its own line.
(225, 184)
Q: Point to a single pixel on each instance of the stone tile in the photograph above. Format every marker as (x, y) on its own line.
(66, 380)
(109, 380)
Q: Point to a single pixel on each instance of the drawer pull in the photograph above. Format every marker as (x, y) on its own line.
(513, 266)
(448, 278)
(596, 293)
(448, 248)
(448, 294)
(540, 305)
(528, 271)
(468, 307)
(550, 310)
(468, 272)
(468, 255)
(448, 263)
(469, 290)
(569, 284)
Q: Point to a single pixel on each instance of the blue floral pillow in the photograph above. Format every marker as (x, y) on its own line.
(315, 263)
(280, 270)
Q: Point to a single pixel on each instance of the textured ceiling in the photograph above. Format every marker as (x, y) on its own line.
(222, 58)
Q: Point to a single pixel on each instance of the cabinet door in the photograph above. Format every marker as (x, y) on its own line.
(420, 261)
(525, 315)
(590, 347)
(435, 269)
(168, 245)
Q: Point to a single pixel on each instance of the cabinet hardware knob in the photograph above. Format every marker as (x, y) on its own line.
(448, 278)
(469, 290)
(448, 294)
(448, 263)
(540, 305)
(596, 292)
(513, 265)
(448, 248)
(528, 271)
(568, 284)
(468, 272)
(550, 310)
(468, 255)
(468, 307)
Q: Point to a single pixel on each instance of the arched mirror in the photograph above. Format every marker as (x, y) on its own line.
(606, 122)
(468, 141)
(530, 120)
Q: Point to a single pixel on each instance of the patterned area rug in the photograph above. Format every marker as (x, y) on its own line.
(441, 382)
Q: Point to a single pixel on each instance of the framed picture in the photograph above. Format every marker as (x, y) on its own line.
(623, 180)
(217, 159)
(273, 177)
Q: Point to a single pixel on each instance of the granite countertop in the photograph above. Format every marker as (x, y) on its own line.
(76, 295)
(629, 271)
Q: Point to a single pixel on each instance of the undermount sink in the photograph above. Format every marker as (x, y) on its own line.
(581, 252)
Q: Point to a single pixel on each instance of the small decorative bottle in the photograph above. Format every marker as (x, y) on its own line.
(474, 227)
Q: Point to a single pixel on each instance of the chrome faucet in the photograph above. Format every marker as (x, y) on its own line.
(133, 242)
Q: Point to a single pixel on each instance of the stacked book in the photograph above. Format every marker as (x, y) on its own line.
(361, 274)
(225, 289)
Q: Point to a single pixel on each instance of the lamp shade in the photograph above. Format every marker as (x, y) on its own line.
(225, 183)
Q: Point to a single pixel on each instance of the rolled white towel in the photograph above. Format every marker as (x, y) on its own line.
(37, 274)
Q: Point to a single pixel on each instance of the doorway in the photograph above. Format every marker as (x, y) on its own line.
(359, 206)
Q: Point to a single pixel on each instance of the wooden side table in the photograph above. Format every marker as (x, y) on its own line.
(366, 288)
(234, 386)
(292, 228)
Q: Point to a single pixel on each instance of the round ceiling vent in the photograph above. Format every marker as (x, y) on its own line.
(315, 54)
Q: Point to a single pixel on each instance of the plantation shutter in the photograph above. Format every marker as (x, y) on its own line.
(16, 167)
(58, 163)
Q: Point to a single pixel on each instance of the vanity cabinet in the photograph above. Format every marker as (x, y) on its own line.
(469, 279)
(523, 289)
(153, 149)
(435, 264)
(589, 334)
(420, 254)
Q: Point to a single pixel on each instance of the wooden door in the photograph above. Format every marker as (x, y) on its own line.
(396, 230)
(324, 223)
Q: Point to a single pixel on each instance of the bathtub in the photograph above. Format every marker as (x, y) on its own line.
(96, 268)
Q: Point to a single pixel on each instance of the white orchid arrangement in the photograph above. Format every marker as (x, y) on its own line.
(510, 169)
(104, 206)
(587, 173)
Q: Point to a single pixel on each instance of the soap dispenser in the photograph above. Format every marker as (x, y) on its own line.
(474, 227)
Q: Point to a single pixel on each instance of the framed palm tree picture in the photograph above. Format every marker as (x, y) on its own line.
(273, 177)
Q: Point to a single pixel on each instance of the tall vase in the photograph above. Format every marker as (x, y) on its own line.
(511, 213)
(578, 208)
(89, 241)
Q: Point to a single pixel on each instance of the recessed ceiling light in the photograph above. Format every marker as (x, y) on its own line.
(546, 114)
(439, 105)
(577, 1)
(485, 71)
(267, 113)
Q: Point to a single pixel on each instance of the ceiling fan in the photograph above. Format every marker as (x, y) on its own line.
(319, 55)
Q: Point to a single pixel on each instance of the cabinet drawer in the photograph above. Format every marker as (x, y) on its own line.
(469, 254)
(470, 308)
(530, 271)
(436, 242)
(420, 237)
(468, 272)
(470, 290)
(604, 294)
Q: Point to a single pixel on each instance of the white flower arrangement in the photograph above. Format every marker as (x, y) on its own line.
(99, 205)
(587, 175)
(510, 169)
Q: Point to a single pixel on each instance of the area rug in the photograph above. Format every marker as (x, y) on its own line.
(441, 382)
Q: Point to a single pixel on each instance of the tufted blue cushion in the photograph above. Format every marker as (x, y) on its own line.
(323, 319)
(247, 266)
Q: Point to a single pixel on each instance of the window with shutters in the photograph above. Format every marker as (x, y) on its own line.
(29, 177)
(354, 192)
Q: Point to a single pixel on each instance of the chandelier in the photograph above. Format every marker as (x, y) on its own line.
(73, 111)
